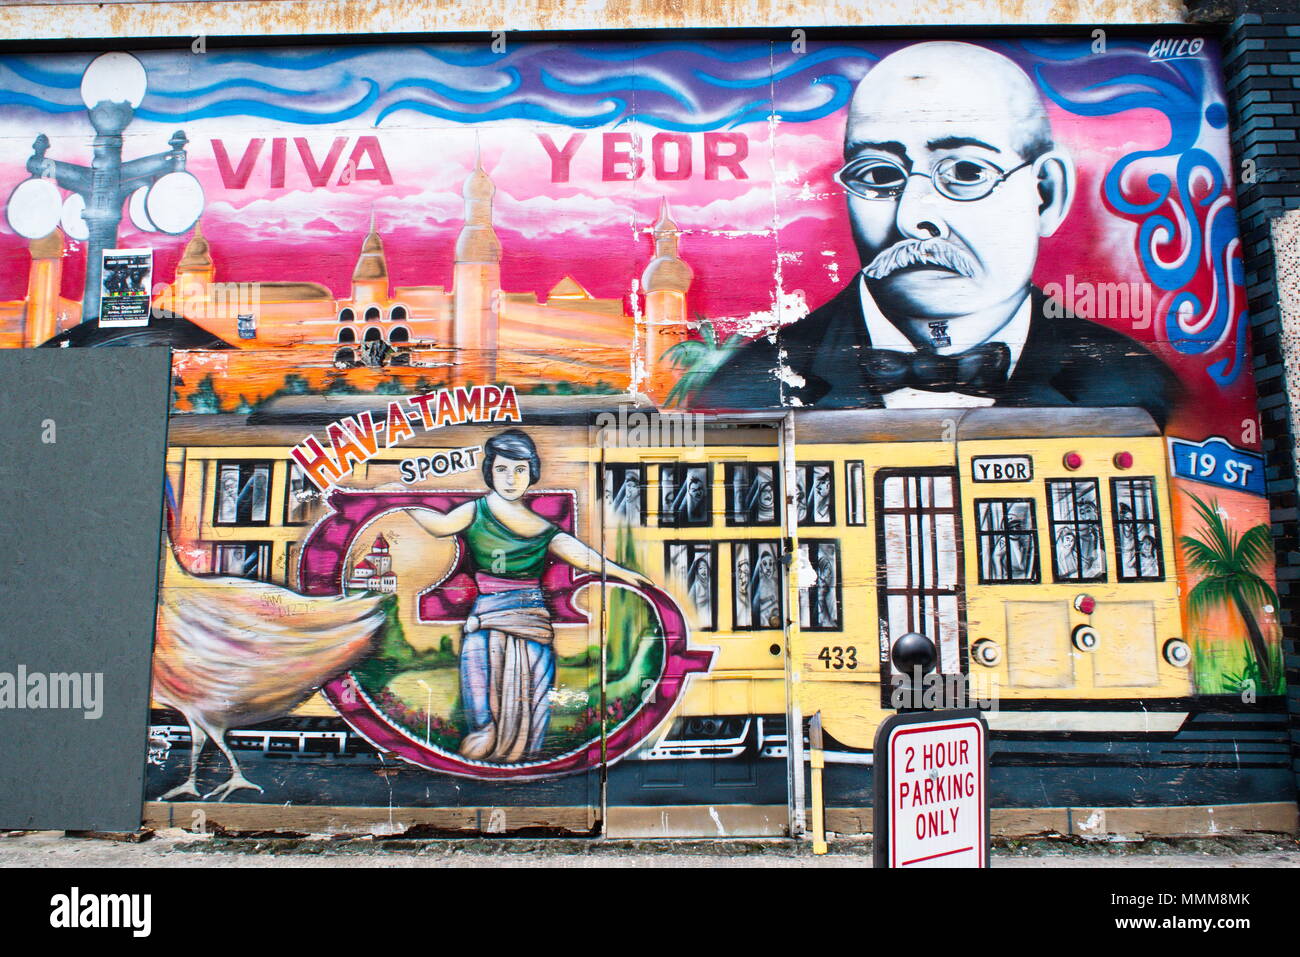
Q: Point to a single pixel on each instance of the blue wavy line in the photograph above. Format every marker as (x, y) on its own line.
(799, 66)
(734, 118)
(269, 111)
(513, 111)
(613, 84)
(9, 97)
(458, 95)
(477, 57)
(1075, 49)
(1183, 105)
(43, 77)
(1226, 370)
(741, 54)
(843, 90)
(281, 60)
(251, 84)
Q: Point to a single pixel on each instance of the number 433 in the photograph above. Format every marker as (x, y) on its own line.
(838, 658)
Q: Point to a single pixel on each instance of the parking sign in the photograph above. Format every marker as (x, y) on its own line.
(931, 796)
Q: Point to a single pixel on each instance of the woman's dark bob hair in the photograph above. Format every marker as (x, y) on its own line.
(515, 445)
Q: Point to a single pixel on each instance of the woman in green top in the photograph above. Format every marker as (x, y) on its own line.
(507, 654)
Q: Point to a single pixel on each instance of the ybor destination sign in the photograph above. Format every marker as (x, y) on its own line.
(931, 794)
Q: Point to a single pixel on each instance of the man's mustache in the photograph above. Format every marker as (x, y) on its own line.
(920, 252)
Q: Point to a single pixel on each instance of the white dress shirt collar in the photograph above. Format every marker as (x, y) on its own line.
(885, 335)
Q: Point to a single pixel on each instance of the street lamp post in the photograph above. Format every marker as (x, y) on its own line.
(112, 87)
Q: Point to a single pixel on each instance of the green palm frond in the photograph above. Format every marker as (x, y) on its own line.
(1209, 594)
(1255, 547)
(1227, 563)
(1217, 535)
(684, 355)
(1204, 557)
(697, 359)
(1256, 591)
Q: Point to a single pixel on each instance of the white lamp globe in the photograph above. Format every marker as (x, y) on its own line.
(113, 77)
(34, 208)
(139, 217)
(73, 225)
(174, 203)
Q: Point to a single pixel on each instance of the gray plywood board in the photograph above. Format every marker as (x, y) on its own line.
(80, 524)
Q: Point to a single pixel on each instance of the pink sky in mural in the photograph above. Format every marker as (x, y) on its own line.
(732, 231)
(765, 249)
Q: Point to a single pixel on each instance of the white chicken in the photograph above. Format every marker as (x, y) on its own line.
(227, 654)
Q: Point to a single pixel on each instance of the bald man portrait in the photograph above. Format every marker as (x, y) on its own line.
(952, 177)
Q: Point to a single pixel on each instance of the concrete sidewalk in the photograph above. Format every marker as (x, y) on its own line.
(178, 848)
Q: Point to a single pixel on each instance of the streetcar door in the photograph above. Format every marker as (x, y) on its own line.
(700, 511)
(920, 586)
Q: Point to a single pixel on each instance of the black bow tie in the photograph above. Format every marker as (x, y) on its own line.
(977, 370)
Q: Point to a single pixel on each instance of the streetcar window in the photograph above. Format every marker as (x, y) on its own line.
(856, 493)
(301, 497)
(1137, 530)
(1008, 538)
(622, 488)
(685, 496)
(752, 494)
(816, 493)
(243, 560)
(819, 602)
(1074, 522)
(243, 493)
(756, 585)
(692, 568)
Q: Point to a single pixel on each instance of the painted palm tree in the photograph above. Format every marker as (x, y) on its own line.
(1228, 562)
(698, 359)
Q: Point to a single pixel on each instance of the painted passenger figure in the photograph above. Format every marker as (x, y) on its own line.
(824, 590)
(507, 657)
(1067, 554)
(1092, 558)
(1148, 559)
(742, 579)
(821, 494)
(1012, 557)
(627, 500)
(755, 500)
(952, 178)
(687, 504)
(700, 585)
(764, 596)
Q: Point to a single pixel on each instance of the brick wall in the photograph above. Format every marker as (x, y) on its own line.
(1262, 64)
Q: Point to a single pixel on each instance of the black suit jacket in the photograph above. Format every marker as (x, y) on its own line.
(1066, 361)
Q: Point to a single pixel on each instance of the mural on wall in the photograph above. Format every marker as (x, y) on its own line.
(1009, 269)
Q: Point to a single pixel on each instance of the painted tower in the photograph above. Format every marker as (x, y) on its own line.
(370, 278)
(43, 283)
(477, 279)
(666, 281)
(194, 275)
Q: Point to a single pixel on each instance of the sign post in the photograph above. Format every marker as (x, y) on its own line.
(931, 795)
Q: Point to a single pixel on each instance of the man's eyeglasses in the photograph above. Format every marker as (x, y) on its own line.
(959, 178)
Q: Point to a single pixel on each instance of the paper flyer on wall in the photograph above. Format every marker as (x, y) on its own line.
(124, 293)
